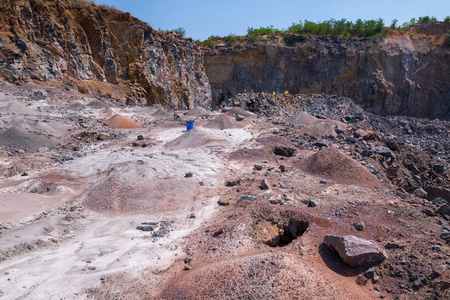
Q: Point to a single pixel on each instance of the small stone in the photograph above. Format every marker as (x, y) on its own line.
(351, 140)
(275, 199)
(392, 245)
(92, 268)
(201, 183)
(188, 174)
(225, 200)
(313, 203)
(321, 143)
(247, 198)
(192, 216)
(187, 267)
(283, 185)
(103, 278)
(436, 248)
(438, 201)
(24, 174)
(103, 137)
(444, 210)
(445, 236)
(323, 181)
(265, 184)
(258, 167)
(140, 137)
(146, 227)
(359, 226)
(289, 197)
(384, 151)
(370, 273)
(438, 168)
(361, 280)
(233, 182)
(239, 117)
(43, 149)
(419, 283)
(429, 212)
(375, 278)
(284, 151)
(283, 168)
(218, 232)
(420, 193)
(338, 129)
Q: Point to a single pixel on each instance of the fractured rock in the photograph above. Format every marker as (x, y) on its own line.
(275, 199)
(265, 184)
(225, 200)
(284, 151)
(355, 251)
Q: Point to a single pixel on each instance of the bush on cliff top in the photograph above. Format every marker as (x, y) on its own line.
(359, 28)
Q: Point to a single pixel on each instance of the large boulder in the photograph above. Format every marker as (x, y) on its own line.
(355, 251)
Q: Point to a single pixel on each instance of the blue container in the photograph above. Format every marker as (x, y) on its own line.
(190, 125)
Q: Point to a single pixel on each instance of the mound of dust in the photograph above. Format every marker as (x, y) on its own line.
(8, 136)
(247, 278)
(322, 127)
(75, 106)
(119, 121)
(162, 114)
(239, 111)
(193, 138)
(8, 87)
(223, 122)
(333, 164)
(199, 111)
(301, 118)
(100, 104)
(124, 192)
(18, 109)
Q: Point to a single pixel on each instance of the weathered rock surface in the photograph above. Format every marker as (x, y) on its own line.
(404, 73)
(99, 51)
(355, 251)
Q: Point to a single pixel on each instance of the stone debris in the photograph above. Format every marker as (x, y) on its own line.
(355, 251)
(284, 151)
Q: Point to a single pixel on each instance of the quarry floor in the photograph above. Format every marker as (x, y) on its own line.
(69, 211)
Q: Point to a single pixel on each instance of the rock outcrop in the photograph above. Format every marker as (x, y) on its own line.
(355, 251)
(404, 73)
(99, 51)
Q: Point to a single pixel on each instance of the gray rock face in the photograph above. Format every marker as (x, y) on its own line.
(102, 46)
(355, 251)
(389, 76)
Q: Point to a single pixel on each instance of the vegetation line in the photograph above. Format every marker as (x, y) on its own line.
(343, 27)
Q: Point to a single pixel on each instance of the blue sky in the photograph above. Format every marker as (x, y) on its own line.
(203, 18)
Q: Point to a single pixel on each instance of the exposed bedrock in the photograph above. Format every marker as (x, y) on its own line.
(99, 51)
(405, 73)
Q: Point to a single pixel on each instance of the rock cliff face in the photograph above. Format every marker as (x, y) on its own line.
(404, 73)
(109, 53)
(100, 51)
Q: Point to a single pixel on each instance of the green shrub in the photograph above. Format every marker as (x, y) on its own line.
(180, 30)
(447, 19)
(263, 30)
(210, 42)
(231, 38)
(109, 6)
(394, 23)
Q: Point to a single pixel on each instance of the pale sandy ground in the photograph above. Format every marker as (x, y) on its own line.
(65, 240)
